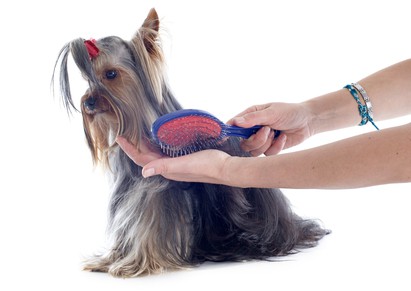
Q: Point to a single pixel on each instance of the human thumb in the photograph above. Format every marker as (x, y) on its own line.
(249, 119)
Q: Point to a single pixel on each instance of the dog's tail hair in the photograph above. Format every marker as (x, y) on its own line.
(257, 225)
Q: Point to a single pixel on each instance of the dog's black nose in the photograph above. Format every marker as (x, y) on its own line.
(91, 103)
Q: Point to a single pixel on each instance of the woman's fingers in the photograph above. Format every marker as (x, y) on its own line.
(277, 146)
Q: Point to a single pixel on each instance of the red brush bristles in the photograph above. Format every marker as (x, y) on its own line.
(184, 131)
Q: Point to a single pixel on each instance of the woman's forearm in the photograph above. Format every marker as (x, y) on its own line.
(389, 91)
(371, 159)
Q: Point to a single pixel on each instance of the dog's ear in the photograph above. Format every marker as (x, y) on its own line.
(149, 31)
(152, 21)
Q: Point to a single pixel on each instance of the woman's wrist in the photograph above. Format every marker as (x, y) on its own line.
(332, 111)
(246, 172)
(232, 172)
(240, 172)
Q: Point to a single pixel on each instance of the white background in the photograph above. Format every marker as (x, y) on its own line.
(222, 56)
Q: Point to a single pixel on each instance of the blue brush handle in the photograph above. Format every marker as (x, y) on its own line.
(233, 130)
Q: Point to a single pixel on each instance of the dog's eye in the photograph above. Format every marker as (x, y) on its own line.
(111, 74)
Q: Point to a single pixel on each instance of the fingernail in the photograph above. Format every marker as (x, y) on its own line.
(267, 131)
(148, 172)
(283, 138)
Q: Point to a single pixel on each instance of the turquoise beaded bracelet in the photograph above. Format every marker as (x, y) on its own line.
(364, 110)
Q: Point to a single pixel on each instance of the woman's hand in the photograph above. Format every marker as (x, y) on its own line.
(205, 166)
(292, 119)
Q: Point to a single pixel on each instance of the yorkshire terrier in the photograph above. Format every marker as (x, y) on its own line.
(156, 224)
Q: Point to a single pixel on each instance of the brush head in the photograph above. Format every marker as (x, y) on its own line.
(187, 131)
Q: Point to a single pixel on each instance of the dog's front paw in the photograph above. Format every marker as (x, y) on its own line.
(123, 268)
(97, 264)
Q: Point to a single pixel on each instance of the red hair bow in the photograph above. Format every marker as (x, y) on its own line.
(92, 49)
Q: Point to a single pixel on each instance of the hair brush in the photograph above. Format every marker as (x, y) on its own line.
(189, 130)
